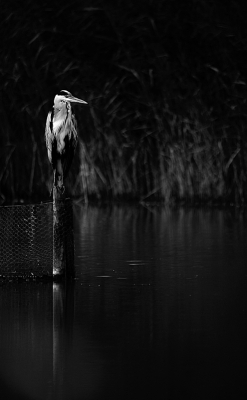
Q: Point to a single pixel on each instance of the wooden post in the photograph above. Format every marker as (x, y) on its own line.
(63, 241)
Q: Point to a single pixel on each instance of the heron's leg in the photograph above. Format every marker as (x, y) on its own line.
(54, 177)
(54, 184)
(59, 183)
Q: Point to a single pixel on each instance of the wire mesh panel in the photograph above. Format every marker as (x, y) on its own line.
(26, 239)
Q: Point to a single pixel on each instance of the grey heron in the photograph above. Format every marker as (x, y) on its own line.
(61, 136)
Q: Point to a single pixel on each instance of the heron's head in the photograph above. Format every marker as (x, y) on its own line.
(64, 98)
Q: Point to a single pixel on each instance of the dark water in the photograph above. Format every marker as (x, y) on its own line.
(157, 311)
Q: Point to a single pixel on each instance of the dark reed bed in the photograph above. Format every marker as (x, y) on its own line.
(166, 87)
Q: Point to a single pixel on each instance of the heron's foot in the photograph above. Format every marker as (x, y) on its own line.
(59, 188)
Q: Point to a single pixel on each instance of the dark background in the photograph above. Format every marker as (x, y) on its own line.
(166, 87)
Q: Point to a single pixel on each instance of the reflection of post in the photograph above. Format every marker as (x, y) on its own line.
(58, 342)
(63, 312)
(63, 241)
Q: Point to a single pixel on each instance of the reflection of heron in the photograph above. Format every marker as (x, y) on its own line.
(61, 135)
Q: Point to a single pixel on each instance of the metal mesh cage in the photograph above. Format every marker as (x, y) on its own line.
(26, 239)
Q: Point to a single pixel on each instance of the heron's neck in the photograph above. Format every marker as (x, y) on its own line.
(59, 118)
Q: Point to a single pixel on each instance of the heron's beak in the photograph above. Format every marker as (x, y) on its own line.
(73, 99)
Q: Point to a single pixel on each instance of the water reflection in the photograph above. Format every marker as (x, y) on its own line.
(172, 303)
(26, 340)
(157, 310)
